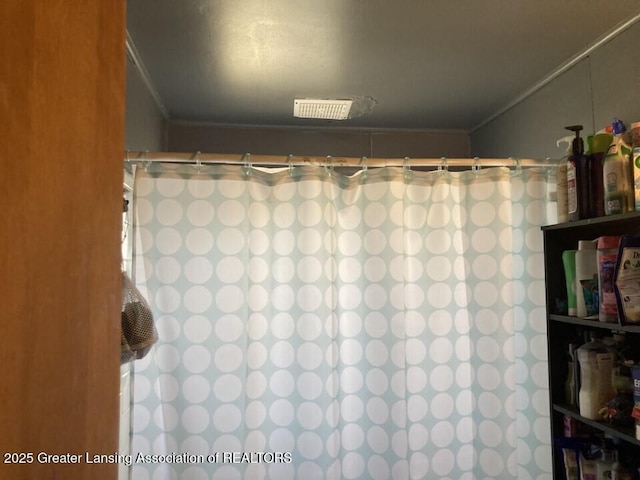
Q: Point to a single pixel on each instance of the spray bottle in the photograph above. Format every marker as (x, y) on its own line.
(616, 172)
(578, 178)
(561, 179)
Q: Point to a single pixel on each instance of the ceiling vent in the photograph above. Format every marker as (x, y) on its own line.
(324, 109)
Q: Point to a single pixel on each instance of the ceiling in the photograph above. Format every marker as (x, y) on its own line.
(406, 64)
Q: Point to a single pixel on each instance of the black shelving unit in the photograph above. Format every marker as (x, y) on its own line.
(563, 329)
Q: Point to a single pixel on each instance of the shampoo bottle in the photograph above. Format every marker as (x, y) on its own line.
(616, 173)
(578, 178)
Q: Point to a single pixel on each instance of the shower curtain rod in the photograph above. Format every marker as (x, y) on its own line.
(247, 159)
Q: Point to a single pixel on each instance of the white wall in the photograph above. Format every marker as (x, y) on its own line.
(145, 125)
(148, 129)
(602, 86)
(336, 142)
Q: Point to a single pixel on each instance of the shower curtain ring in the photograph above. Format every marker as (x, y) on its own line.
(406, 168)
(247, 163)
(145, 163)
(517, 166)
(290, 163)
(476, 165)
(198, 162)
(328, 166)
(444, 165)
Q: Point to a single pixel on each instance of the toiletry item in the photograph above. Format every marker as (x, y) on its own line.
(578, 196)
(635, 372)
(569, 263)
(586, 270)
(607, 459)
(607, 254)
(596, 384)
(590, 294)
(635, 158)
(616, 173)
(561, 181)
(627, 280)
(570, 463)
(588, 468)
(598, 146)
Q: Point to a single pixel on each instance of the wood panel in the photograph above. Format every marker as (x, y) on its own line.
(62, 91)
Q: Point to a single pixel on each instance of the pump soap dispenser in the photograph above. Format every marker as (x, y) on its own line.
(578, 176)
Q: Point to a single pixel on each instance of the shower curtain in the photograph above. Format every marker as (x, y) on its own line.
(384, 325)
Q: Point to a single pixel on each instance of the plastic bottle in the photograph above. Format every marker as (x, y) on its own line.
(586, 278)
(607, 254)
(616, 172)
(588, 468)
(598, 146)
(607, 460)
(635, 158)
(596, 385)
(561, 181)
(570, 463)
(578, 197)
(569, 263)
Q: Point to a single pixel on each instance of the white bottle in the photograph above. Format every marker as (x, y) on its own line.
(596, 378)
(587, 270)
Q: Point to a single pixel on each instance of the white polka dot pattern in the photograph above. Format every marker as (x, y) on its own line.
(385, 325)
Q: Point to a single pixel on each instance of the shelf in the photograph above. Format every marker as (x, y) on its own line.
(594, 221)
(594, 323)
(626, 434)
(563, 330)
